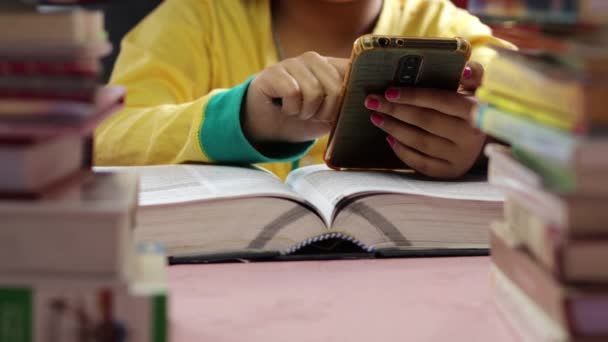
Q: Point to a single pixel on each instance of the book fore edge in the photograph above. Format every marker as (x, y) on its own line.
(327, 236)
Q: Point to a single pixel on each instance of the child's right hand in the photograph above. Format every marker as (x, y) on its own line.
(309, 86)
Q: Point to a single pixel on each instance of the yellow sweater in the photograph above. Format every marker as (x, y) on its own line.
(187, 66)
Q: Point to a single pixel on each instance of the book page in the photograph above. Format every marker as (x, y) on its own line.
(325, 188)
(166, 184)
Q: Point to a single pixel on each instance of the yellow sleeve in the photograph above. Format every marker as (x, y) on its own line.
(172, 113)
(162, 64)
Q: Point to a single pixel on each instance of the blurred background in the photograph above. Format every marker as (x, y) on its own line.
(121, 16)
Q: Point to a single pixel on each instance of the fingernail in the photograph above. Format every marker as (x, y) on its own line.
(467, 73)
(392, 93)
(391, 140)
(377, 119)
(372, 103)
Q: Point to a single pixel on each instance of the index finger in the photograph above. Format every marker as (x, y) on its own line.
(472, 76)
(444, 101)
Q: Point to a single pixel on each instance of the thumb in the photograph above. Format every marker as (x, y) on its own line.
(341, 64)
(471, 76)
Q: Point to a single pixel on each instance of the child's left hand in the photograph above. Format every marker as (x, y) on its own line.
(430, 129)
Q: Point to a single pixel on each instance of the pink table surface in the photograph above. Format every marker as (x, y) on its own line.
(426, 299)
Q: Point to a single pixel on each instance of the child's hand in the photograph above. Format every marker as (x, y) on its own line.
(429, 129)
(309, 86)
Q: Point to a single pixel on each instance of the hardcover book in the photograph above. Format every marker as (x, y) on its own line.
(217, 212)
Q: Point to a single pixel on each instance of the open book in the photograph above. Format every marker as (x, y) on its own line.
(209, 212)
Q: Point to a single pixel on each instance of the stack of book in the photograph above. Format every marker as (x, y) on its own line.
(69, 270)
(547, 101)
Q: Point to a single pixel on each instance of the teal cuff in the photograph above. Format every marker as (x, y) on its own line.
(222, 136)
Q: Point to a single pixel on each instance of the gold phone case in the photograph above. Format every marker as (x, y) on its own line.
(377, 63)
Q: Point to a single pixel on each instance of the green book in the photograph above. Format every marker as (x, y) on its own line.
(564, 179)
(556, 177)
(16, 314)
(48, 312)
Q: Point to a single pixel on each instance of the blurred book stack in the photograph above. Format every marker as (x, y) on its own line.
(69, 270)
(547, 101)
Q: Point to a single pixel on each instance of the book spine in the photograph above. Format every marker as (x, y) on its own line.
(525, 317)
(535, 113)
(149, 320)
(556, 11)
(12, 130)
(518, 131)
(56, 52)
(74, 27)
(512, 8)
(583, 261)
(159, 320)
(555, 177)
(327, 236)
(504, 169)
(579, 222)
(63, 110)
(66, 2)
(16, 314)
(65, 27)
(595, 104)
(543, 240)
(39, 68)
(522, 271)
(78, 95)
(73, 234)
(580, 216)
(32, 167)
(582, 180)
(522, 82)
(40, 108)
(78, 313)
(529, 320)
(570, 95)
(60, 84)
(595, 10)
(521, 183)
(546, 292)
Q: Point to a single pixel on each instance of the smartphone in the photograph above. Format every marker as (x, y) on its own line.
(377, 63)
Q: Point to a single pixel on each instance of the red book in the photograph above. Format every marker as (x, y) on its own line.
(113, 100)
(70, 2)
(30, 168)
(41, 111)
(86, 68)
(48, 87)
(56, 51)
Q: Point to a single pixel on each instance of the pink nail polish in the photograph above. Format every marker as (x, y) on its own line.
(391, 140)
(467, 73)
(372, 103)
(377, 119)
(392, 93)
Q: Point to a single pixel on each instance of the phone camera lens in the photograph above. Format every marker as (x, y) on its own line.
(383, 42)
(409, 68)
(400, 42)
